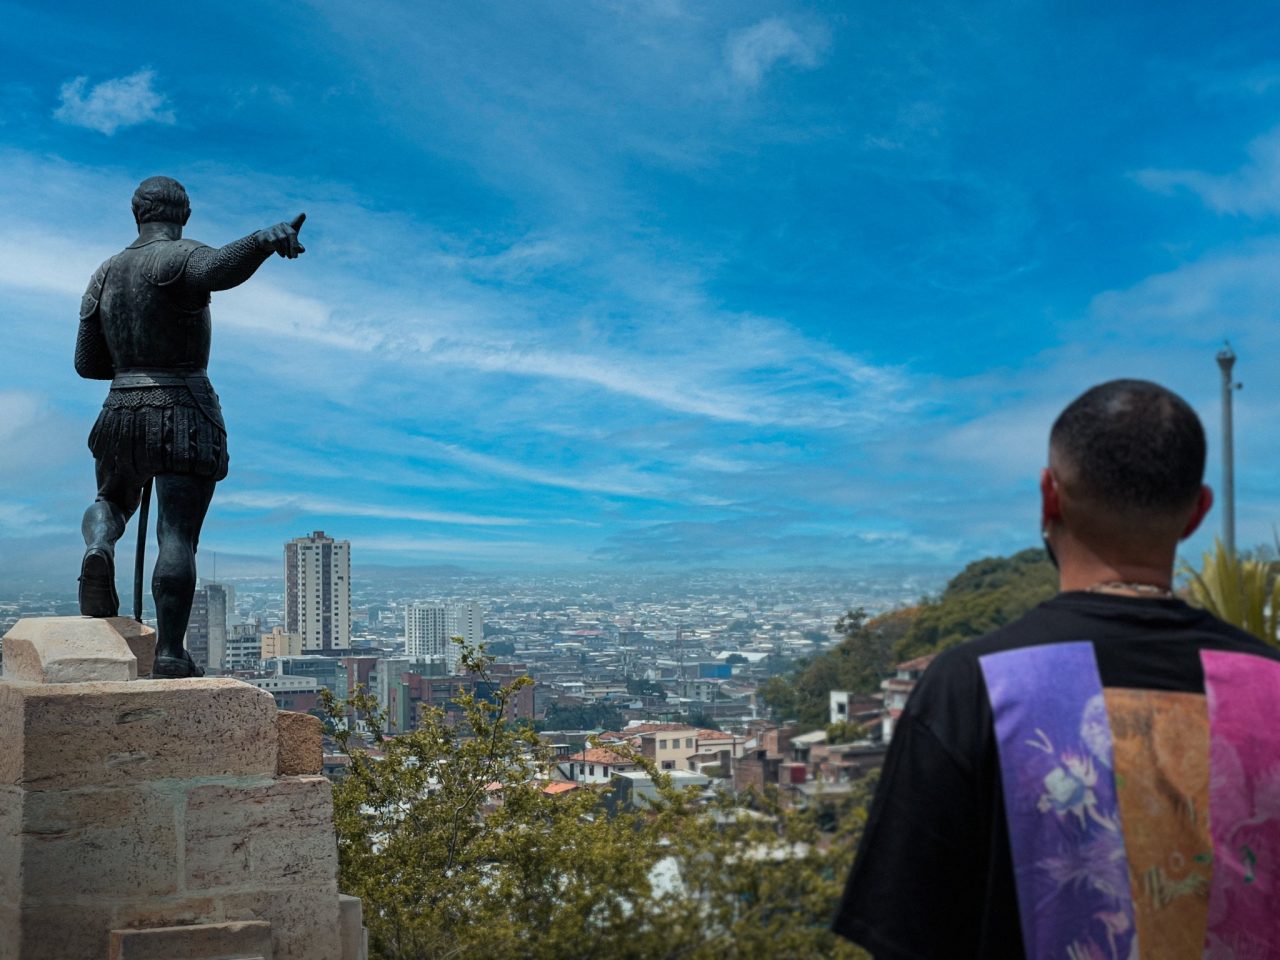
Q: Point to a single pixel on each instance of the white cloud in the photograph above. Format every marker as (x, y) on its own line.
(1253, 190)
(112, 104)
(1219, 295)
(617, 481)
(753, 52)
(342, 508)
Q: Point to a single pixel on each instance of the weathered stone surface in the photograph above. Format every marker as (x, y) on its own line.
(279, 832)
(10, 930)
(108, 843)
(153, 911)
(130, 806)
(10, 845)
(351, 928)
(141, 640)
(58, 931)
(241, 940)
(64, 736)
(301, 744)
(304, 919)
(67, 650)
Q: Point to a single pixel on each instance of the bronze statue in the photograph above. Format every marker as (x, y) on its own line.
(144, 325)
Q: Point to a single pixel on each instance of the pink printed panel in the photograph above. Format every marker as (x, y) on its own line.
(1243, 695)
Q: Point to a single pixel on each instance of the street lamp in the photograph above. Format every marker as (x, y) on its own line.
(1226, 361)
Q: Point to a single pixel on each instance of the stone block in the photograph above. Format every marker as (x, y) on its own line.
(151, 911)
(351, 927)
(10, 930)
(303, 918)
(66, 736)
(241, 940)
(10, 846)
(260, 836)
(75, 930)
(67, 650)
(141, 640)
(105, 844)
(301, 739)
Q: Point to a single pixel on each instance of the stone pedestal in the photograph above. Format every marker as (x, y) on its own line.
(148, 805)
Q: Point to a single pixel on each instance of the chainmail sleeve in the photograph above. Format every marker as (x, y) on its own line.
(93, 356)
(222, 268)
(93, 359)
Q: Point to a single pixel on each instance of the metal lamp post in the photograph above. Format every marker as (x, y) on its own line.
(1226, 361)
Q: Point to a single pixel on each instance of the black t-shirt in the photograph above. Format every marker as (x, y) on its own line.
(934, 875)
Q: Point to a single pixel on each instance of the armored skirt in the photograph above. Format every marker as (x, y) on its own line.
(161, 429)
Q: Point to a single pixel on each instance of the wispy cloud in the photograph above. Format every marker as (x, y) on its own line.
(622, 483)
(754, 51)
(112, 104)
(1220, 294)
(1253, 190)
(303, 503)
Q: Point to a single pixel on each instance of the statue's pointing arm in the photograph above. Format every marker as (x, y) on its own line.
(209, 269)
(93, 358)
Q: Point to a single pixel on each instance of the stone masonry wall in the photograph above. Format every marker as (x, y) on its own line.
(129, 804)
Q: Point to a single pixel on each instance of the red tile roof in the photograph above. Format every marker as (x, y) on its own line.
(919, 663)
(600, 755)
(564, 786)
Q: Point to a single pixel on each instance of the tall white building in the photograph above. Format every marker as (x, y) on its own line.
(429, 629)
(317, 592)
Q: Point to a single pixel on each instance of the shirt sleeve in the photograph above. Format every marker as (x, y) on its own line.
(916, 886)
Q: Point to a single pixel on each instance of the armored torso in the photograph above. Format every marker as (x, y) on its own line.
(150, 318)
(148, 330)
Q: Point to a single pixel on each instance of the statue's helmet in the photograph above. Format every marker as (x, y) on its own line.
(161, 200)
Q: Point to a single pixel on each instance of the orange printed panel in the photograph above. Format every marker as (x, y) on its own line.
(1161, 749)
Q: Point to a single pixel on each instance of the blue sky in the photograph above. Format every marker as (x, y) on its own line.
(649, 283)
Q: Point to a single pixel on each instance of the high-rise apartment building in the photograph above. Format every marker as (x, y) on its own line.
(429, 629)
(317, 588)
(207, 627)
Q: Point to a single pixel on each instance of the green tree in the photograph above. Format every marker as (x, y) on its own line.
(985, 595)
(458, 852)
(640, 687)
(857, 663)
(581, 716)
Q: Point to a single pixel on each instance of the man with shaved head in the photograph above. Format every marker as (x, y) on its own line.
(1100, 779)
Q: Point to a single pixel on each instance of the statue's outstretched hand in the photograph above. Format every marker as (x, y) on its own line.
(283, 238)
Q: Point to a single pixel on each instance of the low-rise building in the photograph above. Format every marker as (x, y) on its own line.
(594, 765)
(898, 688)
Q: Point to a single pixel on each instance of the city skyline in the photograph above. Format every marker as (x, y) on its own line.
(759, 286)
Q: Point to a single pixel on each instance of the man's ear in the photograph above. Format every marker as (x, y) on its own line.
(1050, 499)
(1204, 502)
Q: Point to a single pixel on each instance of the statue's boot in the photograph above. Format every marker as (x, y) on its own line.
(98, 597)
(175, 667)
(102, 527)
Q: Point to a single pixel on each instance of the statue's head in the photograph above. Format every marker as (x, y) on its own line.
(161, 200)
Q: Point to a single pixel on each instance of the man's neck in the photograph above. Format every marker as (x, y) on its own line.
(159, 231)
(1094, 573)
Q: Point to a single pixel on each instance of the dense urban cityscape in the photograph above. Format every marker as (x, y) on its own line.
(629, 648)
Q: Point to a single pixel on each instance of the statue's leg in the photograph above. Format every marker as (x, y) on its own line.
(183, 501)
(103, 525)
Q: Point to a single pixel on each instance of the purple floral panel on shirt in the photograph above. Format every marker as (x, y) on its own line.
(1069, 859)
